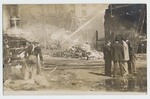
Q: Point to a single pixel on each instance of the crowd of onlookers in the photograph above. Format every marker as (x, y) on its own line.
(121, 53)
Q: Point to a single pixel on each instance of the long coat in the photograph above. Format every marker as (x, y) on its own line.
(108, 59)
(107, 52)
(117, 52)
(126, 51)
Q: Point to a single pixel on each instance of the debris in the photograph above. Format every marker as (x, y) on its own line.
(96, 55)
(30, 87)
(41, 81)
(77, 51)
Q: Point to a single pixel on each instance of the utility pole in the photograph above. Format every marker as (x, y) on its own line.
(96, 40)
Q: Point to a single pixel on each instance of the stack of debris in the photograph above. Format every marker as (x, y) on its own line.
(76, 51)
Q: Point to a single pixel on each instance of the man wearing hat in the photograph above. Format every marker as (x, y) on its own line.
(107, 58)
(117, 53)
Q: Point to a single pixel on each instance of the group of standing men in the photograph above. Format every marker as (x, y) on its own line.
(121, 53)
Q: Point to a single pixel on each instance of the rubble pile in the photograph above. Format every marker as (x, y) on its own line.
(75, 51)
(53, 46)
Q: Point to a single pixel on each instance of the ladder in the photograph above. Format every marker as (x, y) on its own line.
(141, 20)
(140, 25)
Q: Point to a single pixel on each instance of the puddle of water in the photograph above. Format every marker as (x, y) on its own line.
(134, 85)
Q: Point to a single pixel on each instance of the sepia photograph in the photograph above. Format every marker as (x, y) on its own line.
(74, 48)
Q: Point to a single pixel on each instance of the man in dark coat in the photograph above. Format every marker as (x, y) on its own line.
(107, 58)
(117, 56)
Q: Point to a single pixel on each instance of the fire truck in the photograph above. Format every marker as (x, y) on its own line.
(13, 46)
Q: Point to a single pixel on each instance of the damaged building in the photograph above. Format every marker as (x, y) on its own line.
(75, 24)
(58, 20)
(128, 20)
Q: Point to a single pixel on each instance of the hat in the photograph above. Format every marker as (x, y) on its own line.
(87, 42)
(116, 39)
